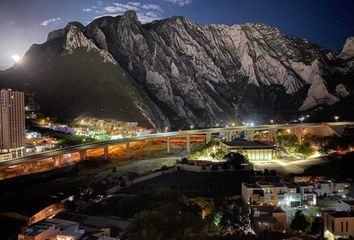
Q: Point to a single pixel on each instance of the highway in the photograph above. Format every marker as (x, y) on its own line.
(185, 133)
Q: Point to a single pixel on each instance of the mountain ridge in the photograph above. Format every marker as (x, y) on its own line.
(194, 74)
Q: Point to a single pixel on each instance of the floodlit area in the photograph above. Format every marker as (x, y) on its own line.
(286, 165)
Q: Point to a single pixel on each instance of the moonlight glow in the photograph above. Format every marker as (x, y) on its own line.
(16, 58)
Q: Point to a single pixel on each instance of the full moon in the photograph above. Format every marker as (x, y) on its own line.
(16, 58)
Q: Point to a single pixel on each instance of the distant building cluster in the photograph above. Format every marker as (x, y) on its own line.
(107, 129)
(275, 203)
(100, 129)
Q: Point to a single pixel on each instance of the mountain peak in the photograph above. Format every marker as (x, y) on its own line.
(130, 16)
(75, 24)
(348, 48)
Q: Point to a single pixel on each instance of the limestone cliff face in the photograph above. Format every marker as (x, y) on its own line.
(193, 74)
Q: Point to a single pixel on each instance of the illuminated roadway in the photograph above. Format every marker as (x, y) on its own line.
(102, 144)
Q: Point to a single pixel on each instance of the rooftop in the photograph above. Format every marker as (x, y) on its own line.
(266, 219)
(342, 214)
(24, 207)
(42, 226)
(350, 202)
(244, 144)
(264, 184)
(38, 228)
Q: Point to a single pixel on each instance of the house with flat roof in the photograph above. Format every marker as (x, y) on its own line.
(38, 210)
(332, 188)
(269, 218)
(338, 225)
(277, 194)
(53, 229)
(253, 150)
(345, 205)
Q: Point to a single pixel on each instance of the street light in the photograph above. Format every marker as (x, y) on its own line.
(336, 118)
(192, 126)
(271, 121)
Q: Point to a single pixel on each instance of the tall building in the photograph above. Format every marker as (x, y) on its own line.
(12, 123)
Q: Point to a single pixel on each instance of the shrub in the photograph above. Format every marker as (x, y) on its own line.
(225, 166)
(164, 168)
(132, 175)
(123, 184)
(184, 161)
(214, 167)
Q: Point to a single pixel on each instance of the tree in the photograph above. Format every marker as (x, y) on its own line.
(220, 155)
(266, 172)
(206, 207)
(299, 222)
(316, 225)
(236, 159)
(145, 234)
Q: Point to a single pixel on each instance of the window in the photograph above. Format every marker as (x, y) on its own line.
(346, 226)
(341, 227)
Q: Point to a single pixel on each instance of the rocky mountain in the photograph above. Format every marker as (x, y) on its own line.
(175, 72)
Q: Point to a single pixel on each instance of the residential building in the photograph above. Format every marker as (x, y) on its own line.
(38, 209)
(12, 123)
(269, 218)
(53, 229)
(277, 194)
(338, 225)
(345, 205)
(40, 231)
(253, 150)
(307, 193)
(331, 188)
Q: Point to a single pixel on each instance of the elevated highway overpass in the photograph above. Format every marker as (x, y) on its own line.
(58, 155)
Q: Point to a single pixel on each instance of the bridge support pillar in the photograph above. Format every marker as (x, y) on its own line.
(58, 160)
(207, 138)
(250, 135)
(106, 152)
(298, 133)
(148, 142)
(272, 135)
(27, 167)
(228, 136)
(82, 155)
(188, 140)
(127, 148)
(168, 142)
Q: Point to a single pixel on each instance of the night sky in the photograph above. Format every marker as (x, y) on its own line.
(326, 22)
